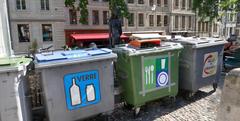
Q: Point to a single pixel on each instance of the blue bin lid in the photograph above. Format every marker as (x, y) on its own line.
(65, 55)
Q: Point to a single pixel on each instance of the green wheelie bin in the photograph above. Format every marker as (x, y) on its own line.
(15, 104)
(147, 74)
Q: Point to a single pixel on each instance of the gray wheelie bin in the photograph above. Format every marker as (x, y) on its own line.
(77, 84)
(14, 103)
(200, 62)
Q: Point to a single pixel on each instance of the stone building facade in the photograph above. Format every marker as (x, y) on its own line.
(40, 20)
(50, 22)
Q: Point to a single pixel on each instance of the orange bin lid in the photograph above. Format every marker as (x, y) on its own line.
(140, 43)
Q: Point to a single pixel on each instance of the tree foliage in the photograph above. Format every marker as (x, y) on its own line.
(232, 4)
(83, 11)
(82, 8)
(210, 8)
(121, 5)
(206, 9)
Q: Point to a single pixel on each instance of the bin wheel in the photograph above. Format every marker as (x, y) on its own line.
(136, 112)
(173, 101)
(215, 85)
(188, 95)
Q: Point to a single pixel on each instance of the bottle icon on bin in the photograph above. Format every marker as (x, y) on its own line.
(75, 93)
(90, 92)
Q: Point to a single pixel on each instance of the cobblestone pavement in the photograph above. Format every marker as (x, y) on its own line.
(202, 107)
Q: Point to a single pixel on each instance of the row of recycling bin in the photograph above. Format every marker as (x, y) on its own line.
(80, 83)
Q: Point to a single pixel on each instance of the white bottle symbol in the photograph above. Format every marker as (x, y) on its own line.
(75, 93)
(90, 93)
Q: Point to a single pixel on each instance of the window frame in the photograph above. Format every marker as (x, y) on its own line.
(165, 3)
(45, 6)
(71, 17)
(130, 2)
(28, 31)
(151, 20)
(97, 22)
(176, 22)
(159, 3)
(141, 3)
(141, 21)
(176, 5)
(151, 2)
(105, 18)
(131, 24)
(22, 5)
(183, 22)
(159, 24)
(183, 4)
(51, 40)
(189, 22)
(165, 20)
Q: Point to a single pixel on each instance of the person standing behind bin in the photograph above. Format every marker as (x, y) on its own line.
(115, 26)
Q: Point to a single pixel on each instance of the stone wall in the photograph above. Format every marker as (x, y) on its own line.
(230, 102)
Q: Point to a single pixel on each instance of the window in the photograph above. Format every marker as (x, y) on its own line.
(21, 4)
(140, 19)
(73, 16)
(105, 0)
(183, 4)
(122, 21)
(105, 17)
(183, 22)
(151, 2)
(165, 21)
(44, 4)
(95, 16)
(177, 4)
(207, 27)
(231, 30)
(158, 2)
(238, 18)
(151, 20)
(176, 22)
(23, 33)
(165, 3)
(203, 26)
(159, 23)
(140, 1)
(189, 4)
(131, 19)
(47, 32)
(231, 17)
(131, 1)
(199, 26)
(189, 22)
(215, 28)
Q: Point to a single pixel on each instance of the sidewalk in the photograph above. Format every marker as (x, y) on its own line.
(202, 107)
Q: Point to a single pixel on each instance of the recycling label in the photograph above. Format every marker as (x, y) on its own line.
(82, 89)
(155, 72)
(210, 64)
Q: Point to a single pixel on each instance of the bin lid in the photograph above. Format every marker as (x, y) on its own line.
(165, 46)
(73, 56)
(146, 36)
(13, 63)
(145, 43)
(200, 42)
